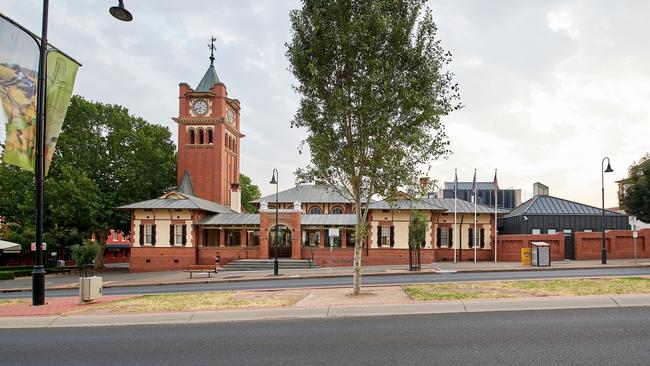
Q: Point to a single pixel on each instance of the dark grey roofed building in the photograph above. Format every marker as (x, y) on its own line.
(548, 215)
(506, 198)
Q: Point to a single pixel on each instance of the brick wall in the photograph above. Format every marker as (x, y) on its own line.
(148, 259)
(446, 254)
(509, 246)
(376, 256)
(618, 243)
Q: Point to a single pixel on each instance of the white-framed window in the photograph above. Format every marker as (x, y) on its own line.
(567, 231)
(551, 231)
(178, 233)
(445, 237)
(588, 231)
(536, 231)
(385, 236)
(114, 235)
(148, 234)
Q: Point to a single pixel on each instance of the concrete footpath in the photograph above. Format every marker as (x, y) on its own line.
(123, 278)
(329, 311)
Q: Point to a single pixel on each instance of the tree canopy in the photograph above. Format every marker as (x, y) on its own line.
(249, 192)
(104, 158)
(373, 90)
(636, 196)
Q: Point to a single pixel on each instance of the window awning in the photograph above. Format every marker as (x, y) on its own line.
(9, 247)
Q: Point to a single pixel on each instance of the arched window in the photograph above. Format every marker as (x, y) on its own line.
(201, 136)
(210, 136)
(337, 211)
(234, 145)
(315, 210)
(191, 135)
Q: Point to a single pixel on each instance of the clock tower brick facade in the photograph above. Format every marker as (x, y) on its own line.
(209, 140)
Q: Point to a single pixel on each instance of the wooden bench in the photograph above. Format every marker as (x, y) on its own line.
(201, 268)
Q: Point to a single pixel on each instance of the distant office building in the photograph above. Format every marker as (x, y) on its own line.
(506, 198)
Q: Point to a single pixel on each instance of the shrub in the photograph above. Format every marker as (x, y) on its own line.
(6, 275)
(85, 254)
(22, 272)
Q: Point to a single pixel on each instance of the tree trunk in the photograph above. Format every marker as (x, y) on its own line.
(358, 245)
(101, 240)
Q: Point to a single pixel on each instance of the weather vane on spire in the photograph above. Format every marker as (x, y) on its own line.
(212, 48)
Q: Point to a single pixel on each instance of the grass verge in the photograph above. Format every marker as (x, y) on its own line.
(534, 288)
(199, 301)
(9, 302)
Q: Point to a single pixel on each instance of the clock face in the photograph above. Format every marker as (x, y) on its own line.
(200, 107)
(230, 116)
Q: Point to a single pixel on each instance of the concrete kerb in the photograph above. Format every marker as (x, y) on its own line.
(330, 275)
(440, 307)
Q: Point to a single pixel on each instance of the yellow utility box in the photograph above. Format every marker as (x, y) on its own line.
(525, 256)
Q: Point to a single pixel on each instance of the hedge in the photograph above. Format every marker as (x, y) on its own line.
(6, 275)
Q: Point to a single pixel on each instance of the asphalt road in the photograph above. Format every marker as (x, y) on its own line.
(560, 337)
(345, 281)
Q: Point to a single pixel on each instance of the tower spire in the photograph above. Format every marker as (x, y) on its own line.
(212, 48)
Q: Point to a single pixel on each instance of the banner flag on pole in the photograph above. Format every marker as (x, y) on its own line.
(61, 75)
(496, 231)
(455, 237)
(19, 55)
(475, 199)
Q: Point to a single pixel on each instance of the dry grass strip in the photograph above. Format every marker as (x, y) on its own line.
(197, 301)
(530, 288)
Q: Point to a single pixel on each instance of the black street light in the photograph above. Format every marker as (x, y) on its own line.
(38, 274)
(603, 256)
(274, 180)
(119, 12)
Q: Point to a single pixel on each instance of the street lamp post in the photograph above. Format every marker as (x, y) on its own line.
(274, 180)
(38, 273)
(609, 169)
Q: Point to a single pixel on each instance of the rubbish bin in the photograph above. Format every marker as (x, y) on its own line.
(541, 254)
(525, 256)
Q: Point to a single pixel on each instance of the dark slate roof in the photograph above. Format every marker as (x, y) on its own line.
(307, 193)
(231, 219)
(549, 205)
(186, 186)
(185, 202)
(312, 219)
(463, 206)
(209, 80)
(468, 185)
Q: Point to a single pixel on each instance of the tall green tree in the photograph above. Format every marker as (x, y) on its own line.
(636, 196)
(249, 192)
(104, 158)
(373, 91)
(417, 229)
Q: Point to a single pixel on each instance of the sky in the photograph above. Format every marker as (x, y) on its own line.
(549, 87)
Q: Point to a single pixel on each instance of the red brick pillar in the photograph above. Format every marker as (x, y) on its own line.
(242, 238)
(344, 238)
(264, 234)
(296, 238)
(222, 237)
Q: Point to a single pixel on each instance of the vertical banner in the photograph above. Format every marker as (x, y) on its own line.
(61, 74)
(19, 55)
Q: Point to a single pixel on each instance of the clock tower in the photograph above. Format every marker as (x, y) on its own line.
(209, 139)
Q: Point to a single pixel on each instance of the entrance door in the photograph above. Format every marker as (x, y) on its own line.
(569, 247)
(284, 242)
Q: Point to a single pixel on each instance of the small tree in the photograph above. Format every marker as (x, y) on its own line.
(373, 91)
(249, 192)
(84, 255)
(417, 230)
(636, 197)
